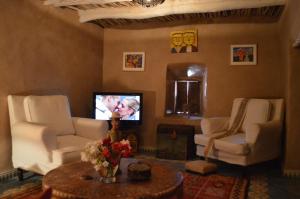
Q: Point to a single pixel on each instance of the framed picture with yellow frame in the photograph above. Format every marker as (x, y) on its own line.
(185, 41)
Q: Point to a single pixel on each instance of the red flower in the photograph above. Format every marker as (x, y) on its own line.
(106, 153)
(114, 162)
(116, 146)
(126, 154)
(106, 142)
(112, 152)
(124, 147)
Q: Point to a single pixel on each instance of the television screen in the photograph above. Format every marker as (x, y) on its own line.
(128, 105)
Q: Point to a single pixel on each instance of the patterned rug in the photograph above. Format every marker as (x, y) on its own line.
(195, 187)
(258, 187)
(214, 187)
(23, 192)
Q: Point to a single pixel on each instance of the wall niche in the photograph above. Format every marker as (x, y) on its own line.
(185, 90)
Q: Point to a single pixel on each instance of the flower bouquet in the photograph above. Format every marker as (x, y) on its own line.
(105, 156)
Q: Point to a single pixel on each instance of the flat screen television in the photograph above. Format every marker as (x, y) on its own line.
(128, 105)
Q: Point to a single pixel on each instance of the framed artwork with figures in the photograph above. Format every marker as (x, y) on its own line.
(185, 41)
(245, 54)
(133, 61)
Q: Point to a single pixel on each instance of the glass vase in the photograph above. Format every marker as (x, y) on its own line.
(108, 180)
(108, 174)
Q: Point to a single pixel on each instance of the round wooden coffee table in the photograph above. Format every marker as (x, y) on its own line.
(67, 182)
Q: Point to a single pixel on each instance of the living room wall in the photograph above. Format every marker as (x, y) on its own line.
(290, 30)
(224, 83)
(44, 50)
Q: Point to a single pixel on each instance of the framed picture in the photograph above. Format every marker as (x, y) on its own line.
(133, 61)
(185, 41)
(243, 54)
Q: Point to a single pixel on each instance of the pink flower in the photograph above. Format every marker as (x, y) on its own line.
(125, 142)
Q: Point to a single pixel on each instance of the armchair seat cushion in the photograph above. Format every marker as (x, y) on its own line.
(234, 144)
(72, 140)
(203, 139)
(66, 155)
(69, 148)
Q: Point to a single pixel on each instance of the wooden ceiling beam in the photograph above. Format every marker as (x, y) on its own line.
(171, 7)
(60, 3)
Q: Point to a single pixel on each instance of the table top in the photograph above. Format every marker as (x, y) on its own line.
(67, 182)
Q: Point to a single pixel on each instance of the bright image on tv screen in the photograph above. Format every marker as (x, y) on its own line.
(127, 106)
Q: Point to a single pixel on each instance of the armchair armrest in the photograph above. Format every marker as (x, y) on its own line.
(269, 131)
(90, 128)
(213, 125)
(33, 138)
(264, 139)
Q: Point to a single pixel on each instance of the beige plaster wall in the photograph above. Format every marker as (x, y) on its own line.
(44, 50)
(290, 29)
(225, 82)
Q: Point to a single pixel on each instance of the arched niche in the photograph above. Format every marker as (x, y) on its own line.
(185, 89)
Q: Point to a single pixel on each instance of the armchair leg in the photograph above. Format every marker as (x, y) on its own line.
(20, 174)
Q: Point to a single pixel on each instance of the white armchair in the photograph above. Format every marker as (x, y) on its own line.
(45, 136)
(257, 140)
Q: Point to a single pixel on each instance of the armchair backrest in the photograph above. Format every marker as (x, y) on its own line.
(16, 109)
(277, 112)
(52, 111)
(258, 111)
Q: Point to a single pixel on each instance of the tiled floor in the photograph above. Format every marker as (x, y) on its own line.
(278, 186)
(14, 182)
(272, 185)
(282, 187)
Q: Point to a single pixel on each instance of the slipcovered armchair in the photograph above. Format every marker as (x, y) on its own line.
(258, 138)
(45, 136)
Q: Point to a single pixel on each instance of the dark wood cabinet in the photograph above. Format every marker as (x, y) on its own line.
(131, 135)
(175, 142)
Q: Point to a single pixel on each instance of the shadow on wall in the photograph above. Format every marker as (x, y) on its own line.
(67, 16)
(42, 92)
(75, 100)
(147, 131)
(41, 57)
